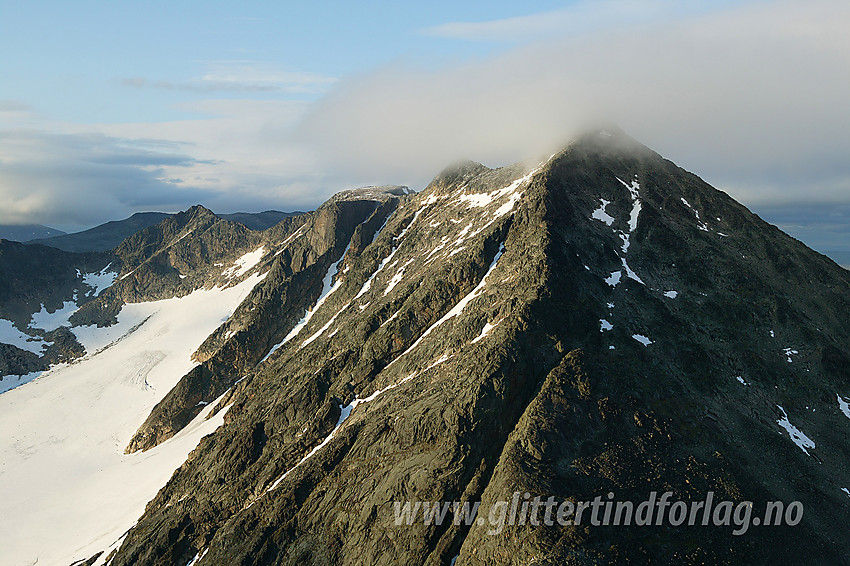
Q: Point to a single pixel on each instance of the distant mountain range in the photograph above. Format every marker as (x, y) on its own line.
(27, 232)
(106, 236)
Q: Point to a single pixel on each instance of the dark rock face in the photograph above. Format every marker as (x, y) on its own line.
(603, 322)
(259, 221)
(36, 278)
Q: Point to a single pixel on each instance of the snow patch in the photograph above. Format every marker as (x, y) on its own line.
(604, 325)
(396, 279)
(380, 229)
(327, 290)
(634, 193)
(741, 380)
(198, 557)
(614, 279)
(293, 236)
(368, 283)
(458, 308)
(344, 413)
(789, 352)
(799, 438)
(101, 280)
(671, 294)
(601, 214)
(642, 339)
(844, 405)
(479, 200)
(244, 264)
(486, 330)
(700, 224)
(631, 274)
(327, 325)
(393, 317)
(52, 320)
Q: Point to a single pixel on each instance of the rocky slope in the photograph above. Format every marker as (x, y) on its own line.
(294, 278)
(600, 322)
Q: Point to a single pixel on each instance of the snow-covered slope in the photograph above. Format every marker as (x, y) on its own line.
(68, 490)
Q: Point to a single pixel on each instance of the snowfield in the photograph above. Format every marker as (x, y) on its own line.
(244, 264)
(68, 490)
(48, 321)
(100, 281)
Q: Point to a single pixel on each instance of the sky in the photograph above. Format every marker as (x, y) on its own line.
(109, 108)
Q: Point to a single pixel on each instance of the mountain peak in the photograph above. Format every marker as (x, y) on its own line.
(608, 139)
(373, 192)
(455, 174)
(601, 322)
(198, 211)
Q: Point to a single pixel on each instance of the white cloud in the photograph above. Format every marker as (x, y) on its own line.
(245, 153)
(73, 178)
(752, 97)
(242, 76)
(238, 156)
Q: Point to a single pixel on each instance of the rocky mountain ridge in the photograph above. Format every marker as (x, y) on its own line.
(603, 321)
(600, 322)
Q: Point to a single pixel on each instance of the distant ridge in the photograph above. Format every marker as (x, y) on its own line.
(27, 232)
(109, 235)
(259, 220)
(103, 237)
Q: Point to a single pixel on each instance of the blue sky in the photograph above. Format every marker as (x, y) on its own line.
(107, 108)
(78, 61)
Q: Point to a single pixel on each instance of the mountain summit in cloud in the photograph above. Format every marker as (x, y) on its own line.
(601, 325)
